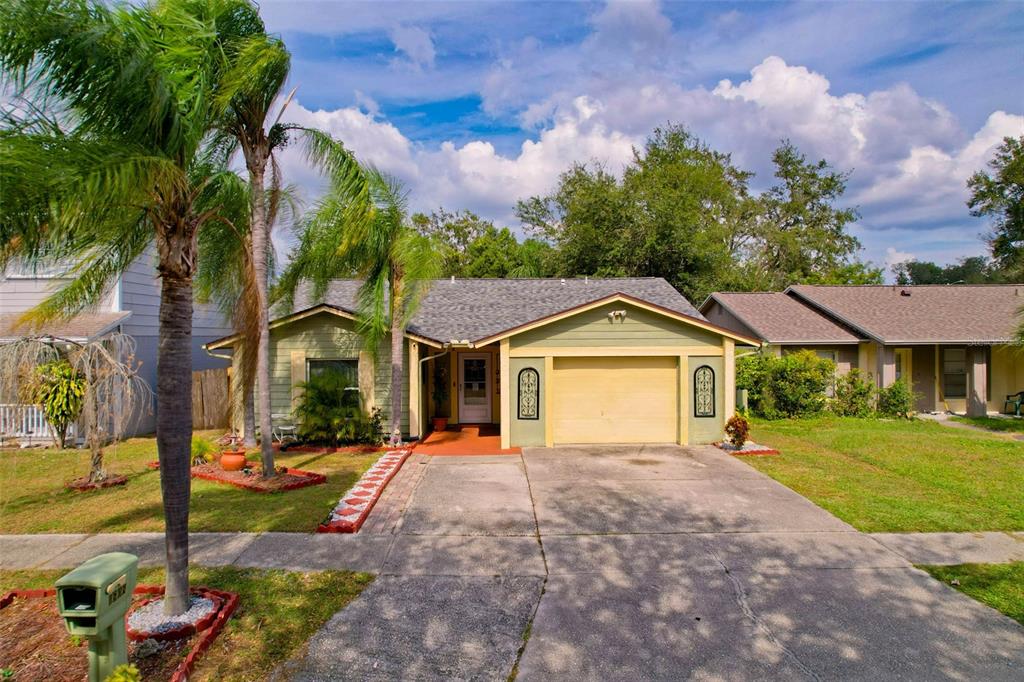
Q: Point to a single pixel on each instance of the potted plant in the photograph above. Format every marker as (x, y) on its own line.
(440, 396)
(232, 460)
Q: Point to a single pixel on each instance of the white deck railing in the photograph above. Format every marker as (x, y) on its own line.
(26, 422)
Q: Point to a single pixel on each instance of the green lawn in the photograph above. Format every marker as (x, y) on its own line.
(1001, 586)
(994, 423)
(278, 611)
(33, 498)
(898, 476)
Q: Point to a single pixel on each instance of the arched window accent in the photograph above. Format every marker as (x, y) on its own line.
(704, 392)
(529, 394)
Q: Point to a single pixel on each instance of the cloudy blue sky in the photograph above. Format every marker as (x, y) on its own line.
(478, 104)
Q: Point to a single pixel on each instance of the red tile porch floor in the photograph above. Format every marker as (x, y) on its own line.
(467, 439)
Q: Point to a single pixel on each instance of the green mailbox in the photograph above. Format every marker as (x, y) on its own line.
(93, 600)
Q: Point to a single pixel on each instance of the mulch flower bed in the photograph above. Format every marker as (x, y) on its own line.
(35, 645)
(252, 479)
(355, 505)
(83, 484)
(749, 449)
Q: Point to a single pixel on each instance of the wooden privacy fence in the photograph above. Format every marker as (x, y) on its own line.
(211, 399)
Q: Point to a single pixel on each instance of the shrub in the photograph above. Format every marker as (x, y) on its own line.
(855, 396)
(202, 450)
(60, 391)
(737, 428)
(896, 400)
(329, 413)
(125, 672)
(789, 386)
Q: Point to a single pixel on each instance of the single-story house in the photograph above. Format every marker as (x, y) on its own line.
(548, 360)
(952, 343)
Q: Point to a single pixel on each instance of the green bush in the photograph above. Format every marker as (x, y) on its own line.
(60, 391)
(329, 413)
(896, 400)
(793, 385)
(202, 450)
(125, 673)
(855, 396)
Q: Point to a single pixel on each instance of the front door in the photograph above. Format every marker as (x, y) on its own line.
(474, 388)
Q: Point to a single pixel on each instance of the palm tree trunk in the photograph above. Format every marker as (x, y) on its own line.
(249, 417)
(260, 244)
(174, 431)
(397, 361)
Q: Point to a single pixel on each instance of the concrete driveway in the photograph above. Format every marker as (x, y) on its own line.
(637, 563)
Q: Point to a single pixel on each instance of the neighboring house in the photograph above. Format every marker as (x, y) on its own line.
(550, 361)
(952, 343)
(131, 306)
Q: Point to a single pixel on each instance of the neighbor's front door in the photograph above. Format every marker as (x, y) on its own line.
(474, 388)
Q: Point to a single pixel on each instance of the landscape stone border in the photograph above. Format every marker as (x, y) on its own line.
(180, 632)
(82, 485)
(749, 449)
(357, 502)
(228, 604)
(311, 478)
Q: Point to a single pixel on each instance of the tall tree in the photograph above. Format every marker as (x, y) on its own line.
(137, 90)
(972, 270)
(802, 235)
(394, 261)
(999, 196)
(453, 232)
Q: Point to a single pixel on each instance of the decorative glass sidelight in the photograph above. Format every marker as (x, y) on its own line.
(529, 394)
(704, 392)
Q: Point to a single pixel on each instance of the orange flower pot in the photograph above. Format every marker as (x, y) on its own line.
(232, 460)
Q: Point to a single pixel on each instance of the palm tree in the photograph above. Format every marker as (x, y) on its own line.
(122, 166)
(394, 261)
(260, 66)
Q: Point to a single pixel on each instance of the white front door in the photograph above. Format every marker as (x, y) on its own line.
(474, 388)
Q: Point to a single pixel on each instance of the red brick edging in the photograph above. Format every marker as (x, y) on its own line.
(357, 502)
(759, 452)
(228, 604)
(182, 631)
(311, 478)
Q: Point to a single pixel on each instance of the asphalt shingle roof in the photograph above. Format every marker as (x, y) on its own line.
(779, 318)
(922, 314)
(81, 327)
(474, 309)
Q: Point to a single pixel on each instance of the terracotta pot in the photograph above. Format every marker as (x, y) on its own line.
(232, 460)
(440, 423)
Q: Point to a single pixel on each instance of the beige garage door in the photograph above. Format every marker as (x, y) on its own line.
(615, 400)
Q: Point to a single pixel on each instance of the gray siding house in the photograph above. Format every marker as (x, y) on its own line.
(131, 306)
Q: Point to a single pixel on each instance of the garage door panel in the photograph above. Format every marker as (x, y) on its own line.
(615, 400)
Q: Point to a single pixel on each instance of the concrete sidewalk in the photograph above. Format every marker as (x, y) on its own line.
(955, 548)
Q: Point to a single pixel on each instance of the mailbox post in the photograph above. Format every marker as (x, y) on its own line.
(93, 600)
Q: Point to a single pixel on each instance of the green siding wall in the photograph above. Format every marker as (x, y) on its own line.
(526, 431)
(594, 328)
(327, 336)
(707, 429)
